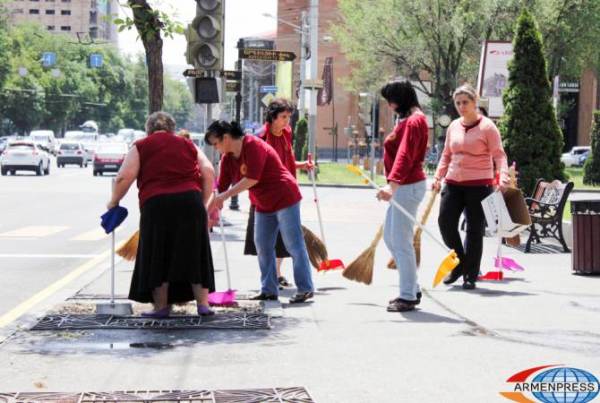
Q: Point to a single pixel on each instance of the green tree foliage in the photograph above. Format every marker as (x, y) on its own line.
(300, 143)
(4, 47)
(115, 95)
(410, 38)
(591, 170)
(529, 127)
(178, 100)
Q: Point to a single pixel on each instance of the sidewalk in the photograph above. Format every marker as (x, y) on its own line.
(459, 346)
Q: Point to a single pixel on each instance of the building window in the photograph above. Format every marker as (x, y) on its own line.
(34, 11)
(50, 27)
(35, 1)
(65, 12)
(65, 28)
(50, 1)
(66, 1)
(50, 12)
(17, 11)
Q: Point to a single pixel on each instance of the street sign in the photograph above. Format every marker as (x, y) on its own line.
(263, 54)
(96, 60)
(232, 75)
(233, 86)
(48, 59)
(267, 88)
(193, 73)
(266, 100)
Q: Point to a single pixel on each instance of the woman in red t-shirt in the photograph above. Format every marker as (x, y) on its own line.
(254, 165)
(175, 179)
(278, 134)
(404, 153)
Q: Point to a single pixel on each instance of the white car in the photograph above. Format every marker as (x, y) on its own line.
(44, 138)
(71, 152)
(24, 156)
(572, 158)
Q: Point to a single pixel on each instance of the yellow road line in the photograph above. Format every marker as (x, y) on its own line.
(25, 306)
(37, 231)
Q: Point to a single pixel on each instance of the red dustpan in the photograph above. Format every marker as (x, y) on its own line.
(223, 297)
(329, 264)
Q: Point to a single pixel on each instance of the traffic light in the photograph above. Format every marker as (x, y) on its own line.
(205, 36)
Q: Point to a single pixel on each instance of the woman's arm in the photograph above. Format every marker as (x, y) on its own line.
(217, 201)
(207, 172)
(126, 176)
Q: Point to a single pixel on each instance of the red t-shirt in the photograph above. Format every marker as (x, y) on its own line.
(408, 160)
(390, 146)
(168, 164)
(276, 188)
(282, 145)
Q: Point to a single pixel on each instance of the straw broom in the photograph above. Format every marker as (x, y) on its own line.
(128, 249)
(418, 231)
(361, 269)
(317, 252)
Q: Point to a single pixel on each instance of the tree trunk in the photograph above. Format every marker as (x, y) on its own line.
(149, 26)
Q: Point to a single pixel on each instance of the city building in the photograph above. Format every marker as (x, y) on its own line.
(83, 19)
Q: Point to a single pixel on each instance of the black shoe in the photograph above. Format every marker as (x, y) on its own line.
(417, 302)
(264, 297)
(469, 285)
(453, 276)
(301, 297)
(401, 305)
(283, 282)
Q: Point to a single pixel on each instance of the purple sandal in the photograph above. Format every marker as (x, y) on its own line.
(203, 310)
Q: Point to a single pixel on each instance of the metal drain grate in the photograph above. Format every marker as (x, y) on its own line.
(235, 320)
(274, 395)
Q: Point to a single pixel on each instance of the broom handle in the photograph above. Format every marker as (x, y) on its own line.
(112, 268)
(225, 251)
(407, 214)
(311, 172)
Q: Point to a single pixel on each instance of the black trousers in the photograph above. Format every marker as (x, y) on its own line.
(455, 200)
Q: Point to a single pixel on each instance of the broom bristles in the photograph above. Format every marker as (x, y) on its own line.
(128, 250)
(317, 252)
(361, 268)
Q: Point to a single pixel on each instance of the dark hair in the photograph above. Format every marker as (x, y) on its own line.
(277, 106)
(402, 94)
(219, 128)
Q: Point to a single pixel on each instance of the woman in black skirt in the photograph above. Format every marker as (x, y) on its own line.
(174, 262)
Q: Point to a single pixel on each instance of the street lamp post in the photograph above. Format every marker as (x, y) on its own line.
(314, 60)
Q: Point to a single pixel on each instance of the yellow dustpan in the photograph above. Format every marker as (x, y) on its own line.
(449, 262)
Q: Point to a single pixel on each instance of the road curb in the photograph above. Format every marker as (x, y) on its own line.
(332, 185)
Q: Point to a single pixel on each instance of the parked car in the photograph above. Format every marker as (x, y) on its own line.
(44, 138)
(109, 157)
(572, 158)
(71, 152)
(583, 157)
(24, 156)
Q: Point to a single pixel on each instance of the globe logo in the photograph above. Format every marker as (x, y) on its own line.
(584, 386)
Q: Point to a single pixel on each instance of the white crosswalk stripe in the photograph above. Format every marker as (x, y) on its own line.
(34, 231)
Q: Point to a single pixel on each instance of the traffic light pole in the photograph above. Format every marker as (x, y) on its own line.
(303, 45)
(234, 204)
(314, 61)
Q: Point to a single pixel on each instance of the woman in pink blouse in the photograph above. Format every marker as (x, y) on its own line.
(472, 152)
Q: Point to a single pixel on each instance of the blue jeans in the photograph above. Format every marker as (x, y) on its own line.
(398, 236)
(287, 222)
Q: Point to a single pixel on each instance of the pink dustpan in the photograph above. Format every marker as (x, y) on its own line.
(222, 297)
(508, 264)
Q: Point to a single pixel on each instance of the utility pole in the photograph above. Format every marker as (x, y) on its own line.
(303, 46)
(314, 62)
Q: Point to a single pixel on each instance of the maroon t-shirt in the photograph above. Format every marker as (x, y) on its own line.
(408, 160)
(391, 145)
(282, 145)
(276, 188)
(168, 164)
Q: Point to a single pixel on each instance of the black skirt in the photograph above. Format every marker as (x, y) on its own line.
(174, 247)
(250, 247)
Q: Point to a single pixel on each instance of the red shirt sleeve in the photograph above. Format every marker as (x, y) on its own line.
(255, 157)
(408, 152)
(225, 177)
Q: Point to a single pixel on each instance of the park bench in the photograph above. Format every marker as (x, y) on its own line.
(546, 207)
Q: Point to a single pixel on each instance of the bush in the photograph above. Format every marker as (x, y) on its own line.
(591, 169)
(529, 127)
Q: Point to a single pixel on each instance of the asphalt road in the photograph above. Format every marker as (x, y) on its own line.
(50, 225)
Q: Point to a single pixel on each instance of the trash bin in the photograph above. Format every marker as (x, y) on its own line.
(586, 236)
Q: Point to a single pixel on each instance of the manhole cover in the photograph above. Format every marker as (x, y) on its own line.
(242, 320)
(281, 395)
